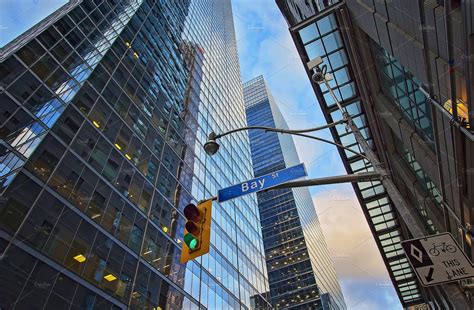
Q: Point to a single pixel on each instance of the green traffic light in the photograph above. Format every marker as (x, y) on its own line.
(191, 241)
(193, 244)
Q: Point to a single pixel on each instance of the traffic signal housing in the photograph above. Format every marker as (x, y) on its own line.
(197, 230)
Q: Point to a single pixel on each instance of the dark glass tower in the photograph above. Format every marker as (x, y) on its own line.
(104, 107)
(300, 271)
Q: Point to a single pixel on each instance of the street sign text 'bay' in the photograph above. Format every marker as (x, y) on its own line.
(263, 182)
(437, 259)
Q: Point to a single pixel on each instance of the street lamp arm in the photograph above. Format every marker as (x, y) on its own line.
(213, 137)
(280, 130)
(290, 132)
(246, 128)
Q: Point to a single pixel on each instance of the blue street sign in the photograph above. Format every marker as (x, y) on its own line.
(261, 183)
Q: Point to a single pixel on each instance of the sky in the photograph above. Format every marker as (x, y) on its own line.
(265, 47)
(17, 16)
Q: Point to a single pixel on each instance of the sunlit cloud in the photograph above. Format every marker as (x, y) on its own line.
(347, 233)
(366, 294)
(359, 266)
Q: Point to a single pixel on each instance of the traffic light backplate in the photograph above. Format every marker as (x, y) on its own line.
(200, 224)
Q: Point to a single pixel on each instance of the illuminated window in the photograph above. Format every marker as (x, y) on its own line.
(461, 109)
(80, 258)
(110, 277)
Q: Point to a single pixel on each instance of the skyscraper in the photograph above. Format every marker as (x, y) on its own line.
(404, 72)
(104, 108)
(300, 271)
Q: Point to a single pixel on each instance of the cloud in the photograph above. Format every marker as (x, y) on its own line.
(363, 277)
(266, 47)
(366, 294)
(348, 236)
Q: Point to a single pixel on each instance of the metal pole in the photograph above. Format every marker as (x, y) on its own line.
(213, 136)
(217, 136)
(358, 177)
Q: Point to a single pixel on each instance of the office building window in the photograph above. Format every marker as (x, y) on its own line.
(403, 90)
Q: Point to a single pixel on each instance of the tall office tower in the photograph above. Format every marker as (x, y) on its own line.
(105, 106)
(404, 72)
(300, 271)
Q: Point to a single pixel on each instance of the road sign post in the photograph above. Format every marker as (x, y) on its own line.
(261, 183)
(438, 259)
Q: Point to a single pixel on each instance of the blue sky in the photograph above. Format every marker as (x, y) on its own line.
(265, 47)
(17, 16)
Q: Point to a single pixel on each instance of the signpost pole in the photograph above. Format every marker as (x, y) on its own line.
(357, 177)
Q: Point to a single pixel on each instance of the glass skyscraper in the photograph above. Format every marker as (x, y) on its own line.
(104, 107)
(300, 271)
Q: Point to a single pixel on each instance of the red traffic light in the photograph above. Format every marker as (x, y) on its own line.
(192, 228)
(192, 213)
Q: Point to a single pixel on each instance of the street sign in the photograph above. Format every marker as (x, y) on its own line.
(261, 183)
(437, 259)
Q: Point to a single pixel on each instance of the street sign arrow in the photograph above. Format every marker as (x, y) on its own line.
(429, 277)
(262, 183)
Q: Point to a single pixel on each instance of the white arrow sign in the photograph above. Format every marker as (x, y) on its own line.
(438, 259)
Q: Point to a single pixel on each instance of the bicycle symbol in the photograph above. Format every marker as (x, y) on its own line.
(437, 249)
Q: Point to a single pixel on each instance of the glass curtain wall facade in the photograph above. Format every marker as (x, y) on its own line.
(300, 271)
(104, 113)
(404, 91)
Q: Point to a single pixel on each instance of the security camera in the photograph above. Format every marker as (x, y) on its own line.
(319, 72)
(318, 75)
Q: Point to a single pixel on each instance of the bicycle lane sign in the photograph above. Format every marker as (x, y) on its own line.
(437, 259)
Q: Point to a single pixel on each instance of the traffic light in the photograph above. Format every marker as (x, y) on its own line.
(197, 231)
